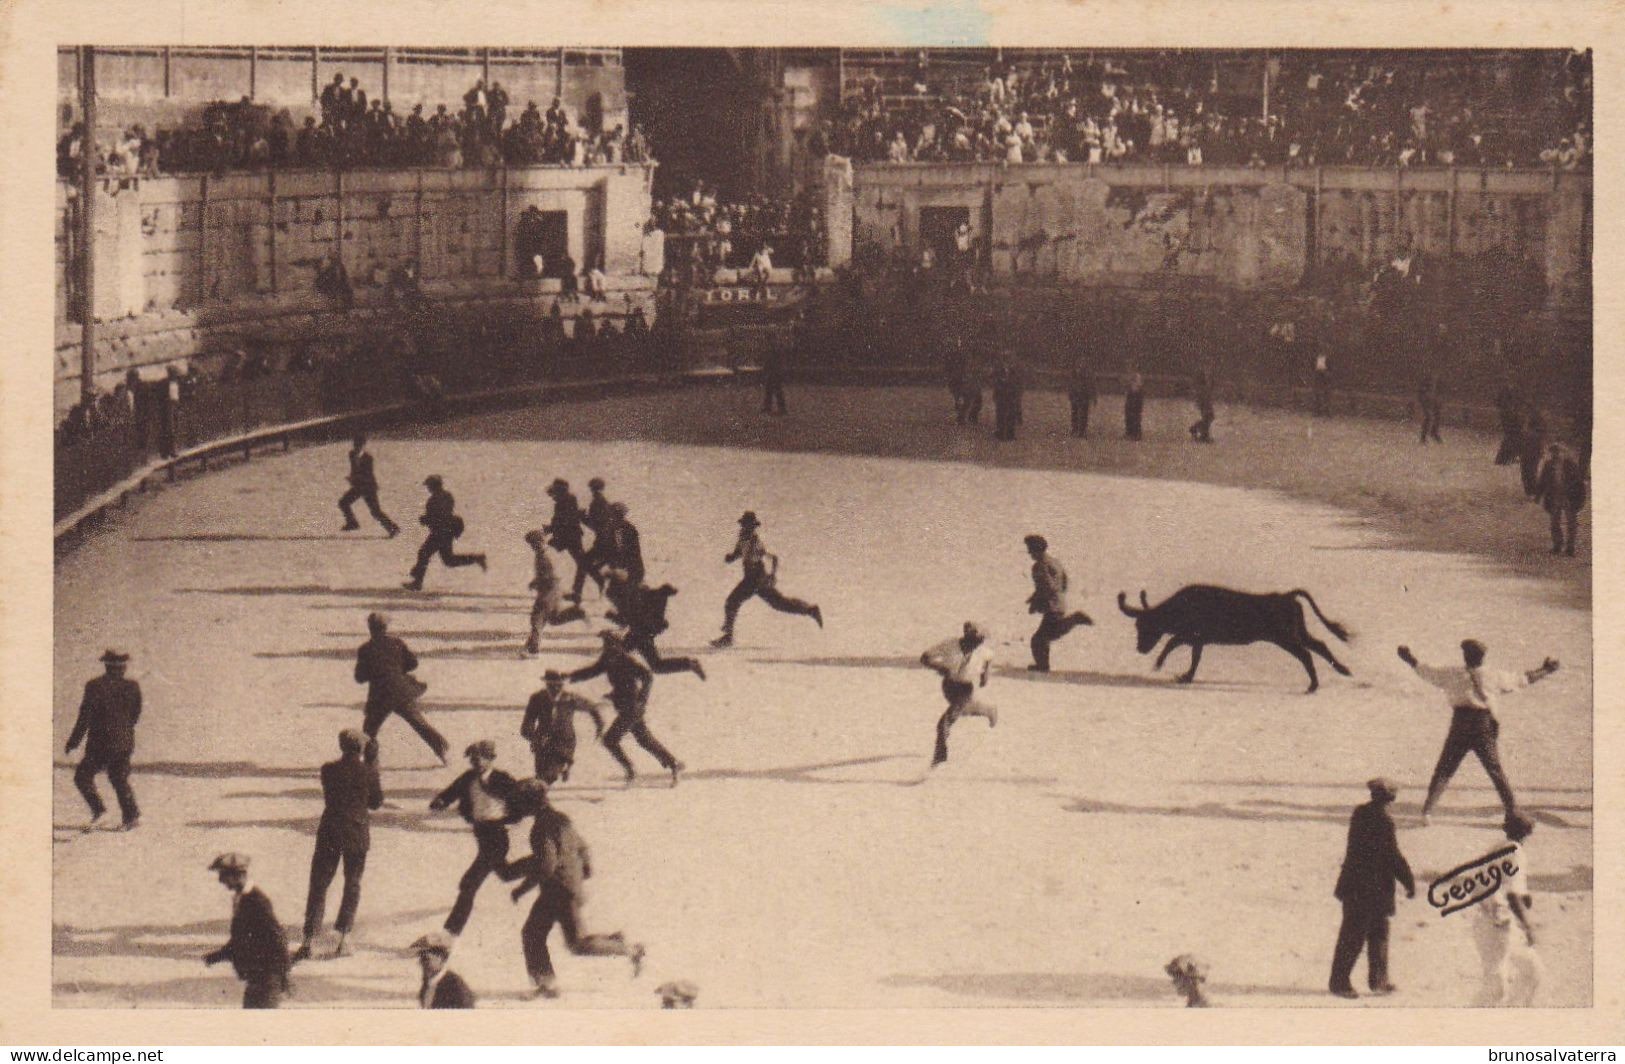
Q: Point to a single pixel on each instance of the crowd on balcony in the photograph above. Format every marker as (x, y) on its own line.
(1321, 108)
(705, 233)
(353, 132)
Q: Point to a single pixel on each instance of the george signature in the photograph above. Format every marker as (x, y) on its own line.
(1477, 880)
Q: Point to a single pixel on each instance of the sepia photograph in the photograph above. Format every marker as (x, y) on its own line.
(907, 524)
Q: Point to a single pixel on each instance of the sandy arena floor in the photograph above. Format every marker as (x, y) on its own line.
(1112, 820)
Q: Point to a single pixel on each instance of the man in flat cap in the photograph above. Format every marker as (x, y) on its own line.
(760, 580)
(559, 864)
(677, 994)
(963, 664)
(629, 684)
(107, 718)
(489, 800)
(549, 607)
(350, 791)
(385, 665)
(549, 727)
(564, 533)
(442, 988)
(1371, 867)
(597, 520)
(440, 518)
(258, 947)
(363, 487)
(1049, 599)
(1471, 691)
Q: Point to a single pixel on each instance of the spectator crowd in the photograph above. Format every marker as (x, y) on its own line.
(1321, 108)
(704, 234)
(354, 132)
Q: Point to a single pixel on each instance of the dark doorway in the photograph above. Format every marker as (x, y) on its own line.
(544, 233)
(937, 228)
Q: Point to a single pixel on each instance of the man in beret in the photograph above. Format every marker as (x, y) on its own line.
(442, 988)
(963, 664)
(1471, 693)
(440, 518)
(489, 800)
(549, 727)
(258, 947)
(564, 533)
(350, 791)
(1049, 598)
(384, 664)
(629, 684)
(107, 717)
(1371, 867)
(759, 580)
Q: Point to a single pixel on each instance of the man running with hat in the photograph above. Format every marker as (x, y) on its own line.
(549, 607)
(564, 533)
(385, 665)
(363, 486)
(1471, 692)
(1049, 599)
(107, 718)
(1365, 886)
(963, 664)
(440, 518)
(641, 609)
(258, 947)
(760, 580)
(549, 727)
(350, 791)
(489, 800)
(598, 521)
(629, 684)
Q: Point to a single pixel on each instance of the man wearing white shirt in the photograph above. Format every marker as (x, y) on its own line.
(963, 664)
(1506, 943)
(1471, 694)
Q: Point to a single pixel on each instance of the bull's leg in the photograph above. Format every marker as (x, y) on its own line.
(1196, 659)
(1169, 649)
(1306, 661)
(1324, 651)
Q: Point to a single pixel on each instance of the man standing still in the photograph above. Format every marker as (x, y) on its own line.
(1471, 692)
(258, 947)
(1202, 430)
(440, 518)
(963, 664)
(1081, 394)
(350, 791)
(363, 486)
(1561, 489)
(773, 378)
(1049, 598)
(107, 717)
(1133, 406)
(385, 665)
(1372, 865)
(1322, 385)
(1430, 398)
(488, 799)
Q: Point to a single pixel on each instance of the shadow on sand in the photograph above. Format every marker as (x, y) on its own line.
(1075, 987)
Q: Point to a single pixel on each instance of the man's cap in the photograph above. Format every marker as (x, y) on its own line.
(1382, 788)
(114, 657)
(610, 635)
(1518, 826)
(433, 480)
(377, 620)
(1187, 966)
(677, 992)
(553, 674)
(535, 535)
(596, 483)
(1472, 646)
(352, 739)
(434, 942)
(618, 509)
(559, 484)
(975, 629)
(748, 519)
(485, 748)
(1037, 542)
(229, 862)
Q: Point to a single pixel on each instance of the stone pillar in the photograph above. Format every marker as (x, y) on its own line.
(837, 211)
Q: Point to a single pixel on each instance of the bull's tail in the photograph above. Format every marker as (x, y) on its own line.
(1331, 626)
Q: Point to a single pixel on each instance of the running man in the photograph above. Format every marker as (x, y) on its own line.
(363, 487)
(440, 518)
(629, 683)
(549, 607)
(549, 726)
(963, 664)
(760, 581)
(641, 610)
(1049, 599)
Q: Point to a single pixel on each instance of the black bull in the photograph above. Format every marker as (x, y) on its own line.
(1200, 614)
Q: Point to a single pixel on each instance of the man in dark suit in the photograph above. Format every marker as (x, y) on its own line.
(440, 518)
(442, 988)
(1080, 393)
(258, 947)
(385, 664)
(549, 727)
(625, 547)
(1561, 490)
(597, 520)
(560, 865)
(564, 533)
(1133, 406)
(363, 486)
(1430, 397)
(350, 790)
(641, 609)
(759, 580)
(107, 716)
(629, 683)
(488, 799)
(773, 378)
(1202, 430)
(1371, 866)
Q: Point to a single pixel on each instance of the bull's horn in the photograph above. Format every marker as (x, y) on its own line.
(1144, 601)
(1122, 604)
